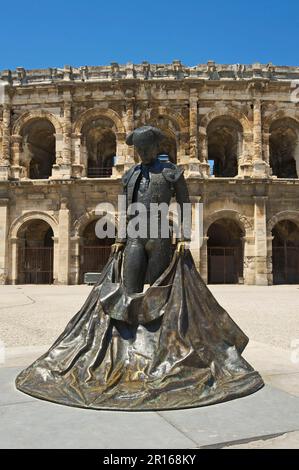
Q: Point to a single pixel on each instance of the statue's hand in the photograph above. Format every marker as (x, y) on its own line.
(116, 247)
(181, 246)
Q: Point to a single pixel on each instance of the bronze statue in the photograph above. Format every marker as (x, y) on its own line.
(151, 181)
(172, 346)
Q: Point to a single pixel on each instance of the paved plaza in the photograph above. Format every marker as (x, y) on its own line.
(31, 317)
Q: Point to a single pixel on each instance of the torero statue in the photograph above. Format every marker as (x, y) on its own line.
(151, 182)
(172, 346)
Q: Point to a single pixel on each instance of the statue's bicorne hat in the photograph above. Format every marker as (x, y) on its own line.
(144, 135)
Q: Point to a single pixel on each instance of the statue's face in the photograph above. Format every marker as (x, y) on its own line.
(147, 153)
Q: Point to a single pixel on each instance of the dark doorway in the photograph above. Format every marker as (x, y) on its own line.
(100, 142)
(94, 251)
(224, 137)
(225, 253)
(39, 148)
(36, 254)
(283, 147)
(285, 253)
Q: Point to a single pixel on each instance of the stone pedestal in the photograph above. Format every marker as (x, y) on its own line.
(77, 171)
(194, 168)
(61, 171)
(16, 172)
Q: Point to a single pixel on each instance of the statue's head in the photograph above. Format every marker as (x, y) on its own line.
(146, 140)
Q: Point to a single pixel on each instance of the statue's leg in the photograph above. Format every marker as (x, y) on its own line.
(159, 256)
(135, 266)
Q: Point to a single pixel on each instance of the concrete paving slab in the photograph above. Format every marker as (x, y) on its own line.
(8, 394)
(43, 425)
(287, 382)
(266, 412)
(268, 359)
(30, 423)
(27, 422)
(286, 441)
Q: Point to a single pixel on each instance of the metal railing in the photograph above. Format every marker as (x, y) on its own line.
(36, 265)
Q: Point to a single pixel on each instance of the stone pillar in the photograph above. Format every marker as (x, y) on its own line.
(245, 160)
(5, 154)
(260, 168)
(14, 260)
(65, 166)
(130, 126)
(3, 239)
(269, 260)
(266, 150)
(63, 251)
(197, 230)
(260, 229)
(203, 152)
(183, 149)
(121, 149)
(77, 164)
(76, 240)
(196, 165)
(204, 259)
(55, 260)
(62, 167)
(17, 171)
(249, 259)
(193, 124)
(125, 153)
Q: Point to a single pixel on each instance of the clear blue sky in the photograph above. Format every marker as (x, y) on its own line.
(38, 34)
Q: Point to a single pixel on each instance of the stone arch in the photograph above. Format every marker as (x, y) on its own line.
(25, 118)
(293, 216)
(82, 222)
(32, 215)
(230, 113)
(97, 143)
(244, 223)
(176, 118)
(176, 129)
(281, 114)
(225, 135)
(94, 113)
(37, 263)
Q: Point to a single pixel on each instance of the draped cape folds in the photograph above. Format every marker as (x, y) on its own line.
(171, 347)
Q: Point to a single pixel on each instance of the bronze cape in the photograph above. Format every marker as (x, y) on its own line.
(171, 347)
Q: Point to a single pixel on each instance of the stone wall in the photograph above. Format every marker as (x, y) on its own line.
(240, 105)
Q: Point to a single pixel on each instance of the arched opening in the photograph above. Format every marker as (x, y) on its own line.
(285, 253)
(99, 141)
(35, 256)
(225, 252)
(94, 251)
(38, 147)
(168, 149)
(224, 137)
(284, 152)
